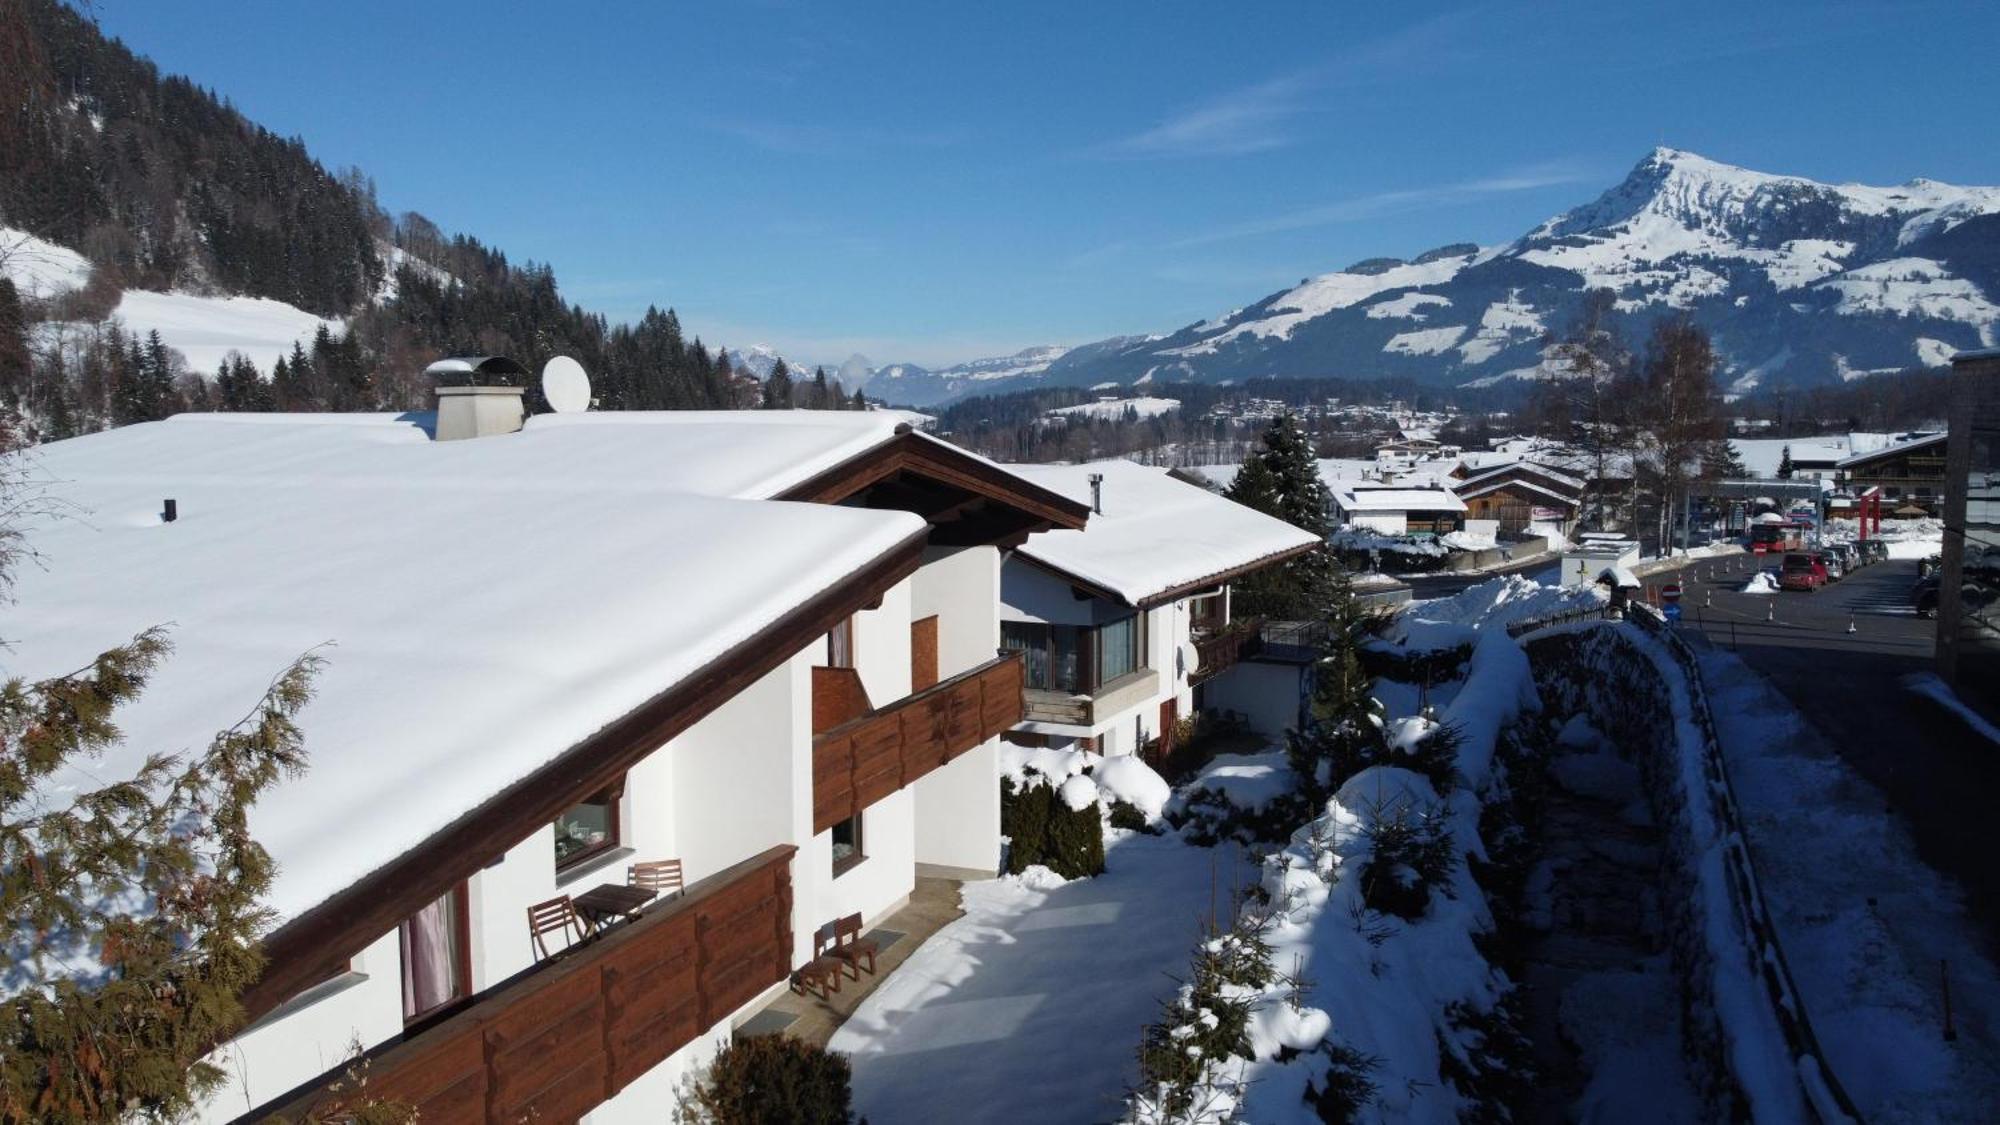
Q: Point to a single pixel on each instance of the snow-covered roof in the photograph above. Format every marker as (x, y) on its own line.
(1397, 500)
(484, 604)
(1485, 486)
(1156, 534)
(1513, 470)
(1893, 448)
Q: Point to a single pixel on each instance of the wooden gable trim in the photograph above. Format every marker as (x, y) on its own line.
(306, 948)
(1172, 593)
(911, 452)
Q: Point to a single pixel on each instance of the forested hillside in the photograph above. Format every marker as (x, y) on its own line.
(160, 185)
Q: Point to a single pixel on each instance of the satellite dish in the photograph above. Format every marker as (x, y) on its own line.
(565, 385)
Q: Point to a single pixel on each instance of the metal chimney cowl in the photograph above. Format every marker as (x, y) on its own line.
(478, 396)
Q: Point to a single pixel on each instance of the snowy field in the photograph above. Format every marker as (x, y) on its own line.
(1864, 922)
(1116, 408)
(204, 329)
(1029, 1008)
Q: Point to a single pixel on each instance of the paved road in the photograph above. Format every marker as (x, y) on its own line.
(1933, 771)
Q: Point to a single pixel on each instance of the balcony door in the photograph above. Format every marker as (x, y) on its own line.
(437, 956)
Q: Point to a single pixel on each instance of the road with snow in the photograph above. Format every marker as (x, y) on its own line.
(1931, 769)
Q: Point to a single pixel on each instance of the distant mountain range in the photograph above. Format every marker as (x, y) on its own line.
(1798, 282)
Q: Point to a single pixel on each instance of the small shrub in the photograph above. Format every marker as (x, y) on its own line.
(1348, 1087)
(1413, 851)
(1492, 1064)
(772, 1080)
(1436, 757)
(1124, 814)
(1045, 830)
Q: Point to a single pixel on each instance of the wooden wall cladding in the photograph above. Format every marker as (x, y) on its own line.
(924, 653)
(867, 758)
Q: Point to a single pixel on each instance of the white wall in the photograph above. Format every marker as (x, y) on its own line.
(958, 811)
(882, 648)
(302, 1041)
(962, 588)
(1267, 695)
(1385, 523)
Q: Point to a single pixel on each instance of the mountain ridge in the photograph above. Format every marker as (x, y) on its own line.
(1799, 282)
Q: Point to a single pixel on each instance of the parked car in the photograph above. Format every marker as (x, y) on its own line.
(1802, 570)
(1924, 596)
(1849, 555)
(1929, 566)
(1829, 561)
(1873, 550)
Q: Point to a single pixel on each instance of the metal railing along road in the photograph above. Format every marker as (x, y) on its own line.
(1822, 1090)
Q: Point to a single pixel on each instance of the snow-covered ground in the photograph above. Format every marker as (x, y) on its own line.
(1029, 1008)
(1144, 407)
(1907, 539)
(1865, 923)
(204, 329)
(39, 268)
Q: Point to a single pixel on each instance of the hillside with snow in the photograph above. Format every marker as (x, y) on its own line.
(1798, 282)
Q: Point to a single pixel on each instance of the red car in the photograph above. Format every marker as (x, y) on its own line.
(1802, 571)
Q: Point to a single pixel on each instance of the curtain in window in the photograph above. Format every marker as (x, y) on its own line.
(430, 956)
(1119, 644)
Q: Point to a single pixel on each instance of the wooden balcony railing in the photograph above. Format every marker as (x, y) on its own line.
(1220, 650)
(562, 1037)
(864, 760)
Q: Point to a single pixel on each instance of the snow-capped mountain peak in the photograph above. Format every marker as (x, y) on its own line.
(1797, 281)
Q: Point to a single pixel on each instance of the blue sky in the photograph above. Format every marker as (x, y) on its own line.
(938, 181)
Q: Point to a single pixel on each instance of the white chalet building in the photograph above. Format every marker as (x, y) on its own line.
(1113, 619)
(764, 644)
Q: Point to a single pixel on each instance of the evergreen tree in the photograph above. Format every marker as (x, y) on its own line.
(1282, 479)
(778, 388)
(860, 403)
(821, 395)
(1721, 461)
(1785, 467)
(15, 370)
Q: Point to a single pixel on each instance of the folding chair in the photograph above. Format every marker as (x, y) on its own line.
(551, 916)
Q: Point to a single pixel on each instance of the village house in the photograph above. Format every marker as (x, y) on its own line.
(1395, 510)
(1126, 625)
(1910, 473)
(745, 662)
(1523, 498)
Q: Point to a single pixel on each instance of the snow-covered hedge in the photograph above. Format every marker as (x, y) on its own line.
(1382, 1003)
(1054, 806)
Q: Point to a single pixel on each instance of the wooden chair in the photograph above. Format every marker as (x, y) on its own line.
(551, 916)
(662, 876)
(850, 948)
(822, 973)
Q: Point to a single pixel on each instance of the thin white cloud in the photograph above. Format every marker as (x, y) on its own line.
(1378, 204)
(1255, 119)
(1265, 116)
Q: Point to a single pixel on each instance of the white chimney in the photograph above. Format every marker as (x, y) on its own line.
(473, 399)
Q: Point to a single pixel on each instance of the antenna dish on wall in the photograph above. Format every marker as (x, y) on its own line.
(565, 385)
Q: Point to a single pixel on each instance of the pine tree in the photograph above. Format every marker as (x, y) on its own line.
(15, 372)
(1785, 467)
(822, 395)
(1282, 479)
(860, 403)
(778, 388)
